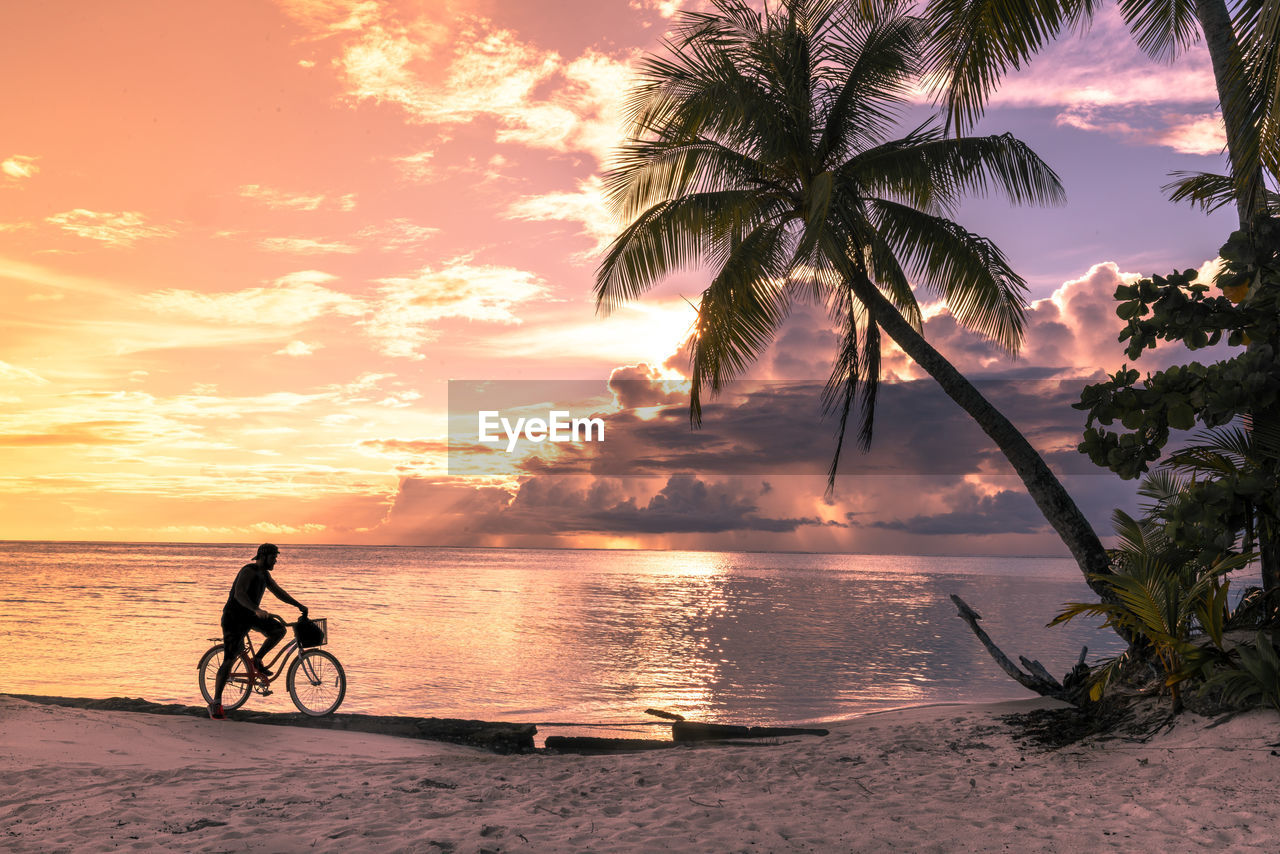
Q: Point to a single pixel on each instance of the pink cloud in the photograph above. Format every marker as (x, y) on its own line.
(535, 97)
(1185, 133)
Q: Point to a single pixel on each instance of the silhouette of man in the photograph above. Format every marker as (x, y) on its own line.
(243, 612)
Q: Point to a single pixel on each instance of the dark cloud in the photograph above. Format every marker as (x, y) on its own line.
(565, 506)
(1004, 512)
(687, 504)
(771, 428)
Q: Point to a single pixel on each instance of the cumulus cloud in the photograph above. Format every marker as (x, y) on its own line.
(636, 386)
(1075, 331)
(120, 229)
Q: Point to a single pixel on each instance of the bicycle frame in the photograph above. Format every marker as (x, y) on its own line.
(282, 656)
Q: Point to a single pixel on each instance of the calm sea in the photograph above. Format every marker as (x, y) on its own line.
(550, 636)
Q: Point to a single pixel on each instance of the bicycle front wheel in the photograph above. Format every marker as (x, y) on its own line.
(316, 683)
(236, 692)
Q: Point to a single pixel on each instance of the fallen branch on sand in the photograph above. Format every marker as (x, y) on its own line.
(1037, 678)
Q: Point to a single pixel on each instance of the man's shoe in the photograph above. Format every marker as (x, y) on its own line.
(261, 669)
(215, 712)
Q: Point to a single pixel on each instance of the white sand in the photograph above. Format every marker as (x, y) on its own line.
(943, 778)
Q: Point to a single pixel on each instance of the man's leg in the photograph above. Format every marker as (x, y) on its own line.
(275, 632)
(232, 643)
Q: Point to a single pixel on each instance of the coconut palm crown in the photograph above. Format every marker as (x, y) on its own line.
(763, 147)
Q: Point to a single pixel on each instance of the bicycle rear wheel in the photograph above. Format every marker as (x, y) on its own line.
(236, 692)
(316, 683)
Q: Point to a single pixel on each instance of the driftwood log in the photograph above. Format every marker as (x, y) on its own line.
(1071, 690)
(497, 737)
(591, 746)
(694, 731)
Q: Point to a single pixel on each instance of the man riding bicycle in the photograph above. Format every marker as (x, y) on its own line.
(243, 612)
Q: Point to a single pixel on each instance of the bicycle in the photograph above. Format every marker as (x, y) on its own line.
(316, 681)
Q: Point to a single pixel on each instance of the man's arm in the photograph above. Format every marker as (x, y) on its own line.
(283, 596)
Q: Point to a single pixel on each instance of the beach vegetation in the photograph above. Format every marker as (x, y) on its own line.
(1174, 607)
(1253, 676)
(766, 147)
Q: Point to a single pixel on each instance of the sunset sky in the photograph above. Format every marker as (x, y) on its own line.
(245, 246)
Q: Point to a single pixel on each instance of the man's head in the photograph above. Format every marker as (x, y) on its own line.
(267, 554)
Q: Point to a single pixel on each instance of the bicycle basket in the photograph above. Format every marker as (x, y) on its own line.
(310, 633)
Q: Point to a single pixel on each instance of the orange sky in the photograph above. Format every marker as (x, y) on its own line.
(243, 250)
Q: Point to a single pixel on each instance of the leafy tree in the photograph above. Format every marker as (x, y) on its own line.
(762, 146)
(1234, 479)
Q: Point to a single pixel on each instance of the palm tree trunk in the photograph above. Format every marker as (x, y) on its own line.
(1045, 489)
(1224, 50)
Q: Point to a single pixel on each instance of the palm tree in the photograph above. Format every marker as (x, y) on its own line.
(762, 146)
(973, 43)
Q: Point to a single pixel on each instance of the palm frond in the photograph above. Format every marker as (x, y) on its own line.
(974, 43)
(969, 272)
(1209, 191)
(1162, 28)
(647, 172)
(1254, 89)
(958, 167)
(670, 236)
(1164, 487)
(874, 62)
(739, 312)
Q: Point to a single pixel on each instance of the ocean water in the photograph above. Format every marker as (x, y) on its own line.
(551, 636)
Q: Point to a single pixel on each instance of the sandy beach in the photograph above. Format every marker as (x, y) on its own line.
(939, 778)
